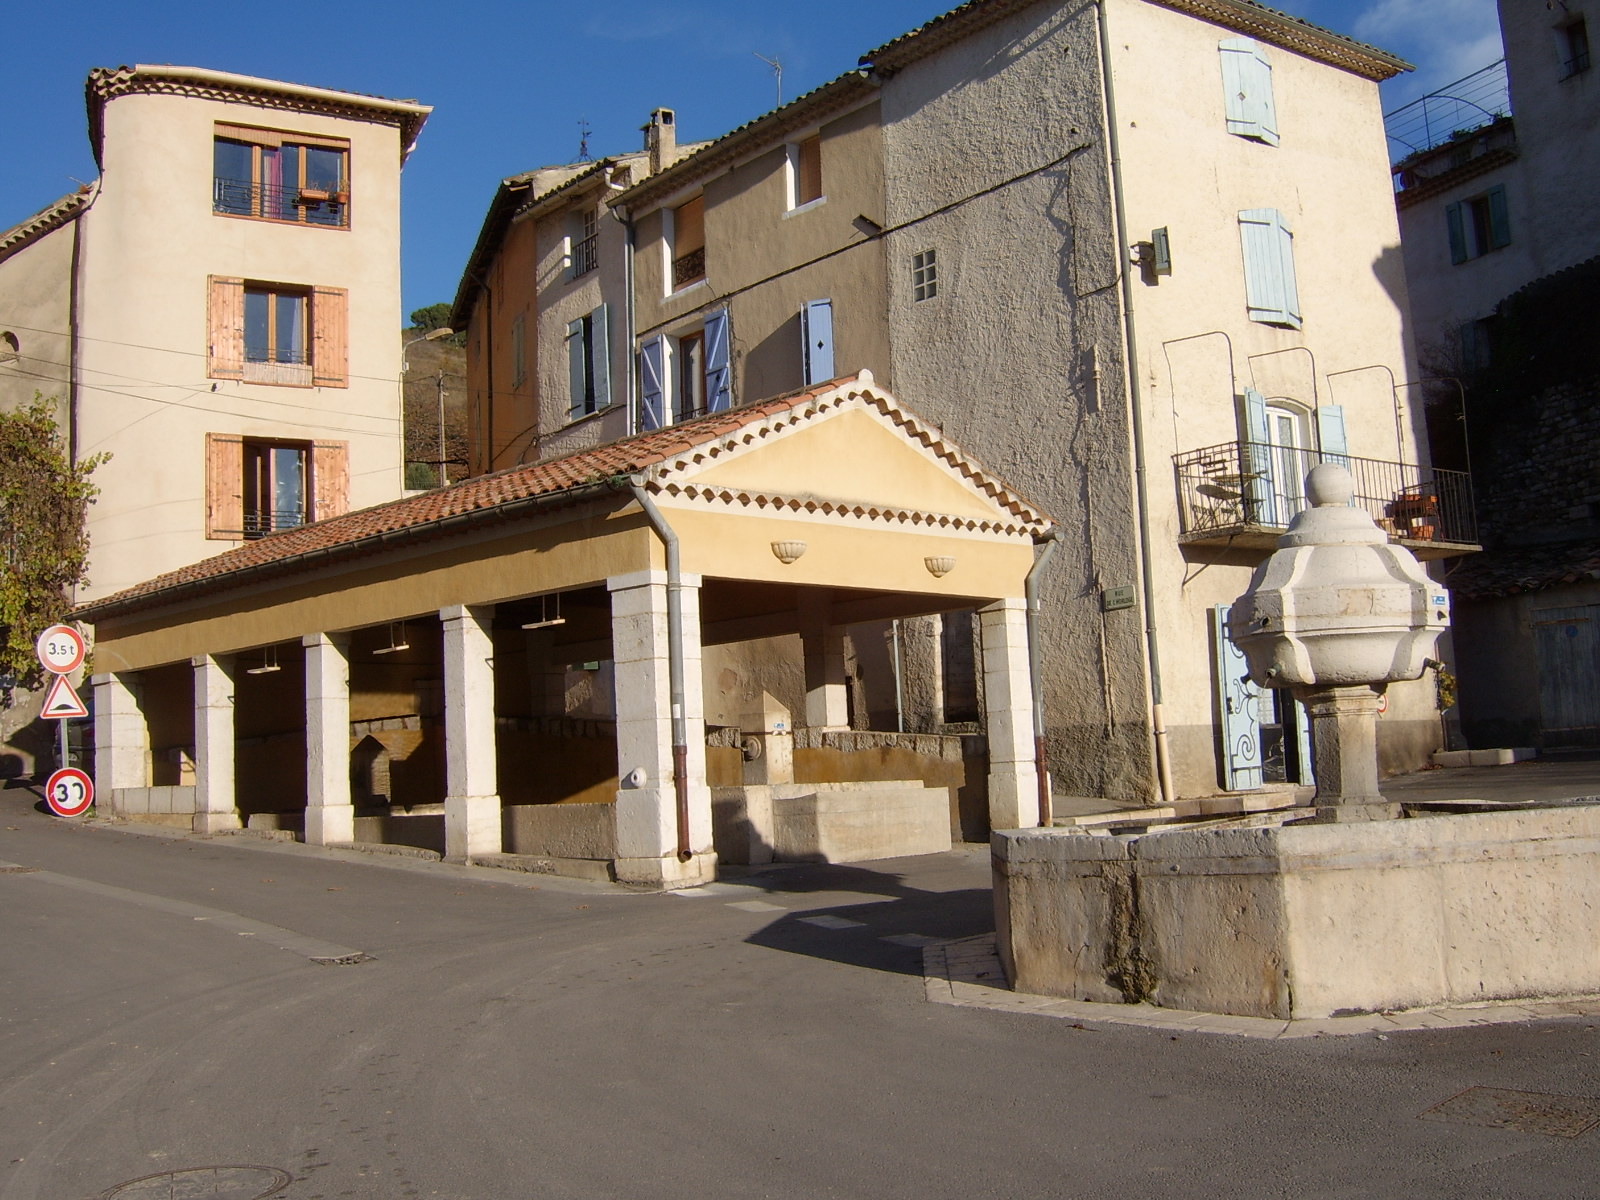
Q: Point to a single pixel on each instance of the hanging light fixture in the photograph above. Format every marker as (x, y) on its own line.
(549, 613)
(269, 663)
(397, 639)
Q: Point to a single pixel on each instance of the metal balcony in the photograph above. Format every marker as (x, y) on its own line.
(1244, 494)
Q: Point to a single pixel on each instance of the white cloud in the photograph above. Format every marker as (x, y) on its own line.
(1446, 39)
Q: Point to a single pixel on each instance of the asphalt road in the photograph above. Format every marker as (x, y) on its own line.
(173, 1003)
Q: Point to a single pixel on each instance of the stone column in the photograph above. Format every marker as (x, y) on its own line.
(330, 815)
(827, 704)
(1344, 740)
(647, 813)
(472, 802)
(1008, 701)
(121, 738)
(215, 804)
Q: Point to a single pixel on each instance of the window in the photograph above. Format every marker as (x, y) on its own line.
(1247, 91)
(519, 350)
(586, 243)
(1478, 225)
(682, 377)
(804, 171)
(1477, 345)
(687, 243)
(924, 275)
(280, 176)
(816, 335)
(257, 486)
(277, 333)
(1573, 43)
(1271, 293)
(589, 362)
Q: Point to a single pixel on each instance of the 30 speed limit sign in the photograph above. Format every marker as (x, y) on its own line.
(69, 792)
(61, 649)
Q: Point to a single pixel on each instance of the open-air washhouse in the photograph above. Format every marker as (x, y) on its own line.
(518, 665)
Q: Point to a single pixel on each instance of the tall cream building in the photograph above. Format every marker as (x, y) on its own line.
(218, 311)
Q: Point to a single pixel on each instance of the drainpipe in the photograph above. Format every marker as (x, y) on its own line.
(1041, 753)
(680, 723)
(1136, 413)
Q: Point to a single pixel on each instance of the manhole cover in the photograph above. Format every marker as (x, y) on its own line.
(203, 1183)
(1527, 1112)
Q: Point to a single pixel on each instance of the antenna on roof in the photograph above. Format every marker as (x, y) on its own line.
(583, 139)
(777, 71)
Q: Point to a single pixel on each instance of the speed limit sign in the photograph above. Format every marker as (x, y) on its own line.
(69, 792)
(61, 649)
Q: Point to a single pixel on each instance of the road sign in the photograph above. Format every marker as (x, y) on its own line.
(61, 649)
(69, 792)
(63, 702)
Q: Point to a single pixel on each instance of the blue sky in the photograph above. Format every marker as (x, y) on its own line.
(510, 81)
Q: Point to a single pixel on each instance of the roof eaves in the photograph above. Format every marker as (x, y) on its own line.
(51, 217)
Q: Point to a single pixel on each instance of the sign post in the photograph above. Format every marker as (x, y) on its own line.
(61, 650)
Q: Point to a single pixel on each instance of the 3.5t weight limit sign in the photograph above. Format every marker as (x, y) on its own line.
(69, 792)
(61, 649)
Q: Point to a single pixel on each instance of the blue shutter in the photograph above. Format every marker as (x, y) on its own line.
(816, 332)
(1257, 462)
(652, 392)
(1247, 90)
(1458, 233)
(1331, 434)
(1271, 292)
(719, 374)
(577, 369)
(1499, 218)
(600, 357)
(1237, 712)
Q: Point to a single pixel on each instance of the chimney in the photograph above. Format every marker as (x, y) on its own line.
(661, 139)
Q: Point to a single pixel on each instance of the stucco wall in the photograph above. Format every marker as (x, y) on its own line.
(36, 307)
(150, 242)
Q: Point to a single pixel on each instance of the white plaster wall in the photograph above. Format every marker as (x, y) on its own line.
(151, 241)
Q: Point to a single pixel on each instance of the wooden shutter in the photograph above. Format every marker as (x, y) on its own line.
(809, 175)
(689, 227)
(816, 332)
(1458, 233)
(1257, 461)
(719, 369)
(330, 479)
(652, 393)
(1247, 90)
(1271, 292)
(225, 328)
(577, 369)
(600, 356)
(224, 486)
(1499, 218)
(330, 337)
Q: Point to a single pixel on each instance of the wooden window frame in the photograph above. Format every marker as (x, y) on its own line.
(252, 194)
(327, 483)
(686, 245)
(327, 337)
(803, 171)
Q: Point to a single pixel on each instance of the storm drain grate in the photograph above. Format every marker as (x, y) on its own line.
(1526, 1112)
(204, 1183)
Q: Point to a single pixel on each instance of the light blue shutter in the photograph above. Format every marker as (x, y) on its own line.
(1331, 439)
(652, 393)
(600, 357)
(1302, 736)
(1237, 711)
(719, 375)
(1257, 462)
(1247, 90)
(1499, 218)
(1271, 292)
(816, 332)
(1458, 233)
(577, 368)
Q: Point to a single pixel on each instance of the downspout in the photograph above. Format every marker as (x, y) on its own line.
(680, 722)
(1041, 753)
(1136, 414)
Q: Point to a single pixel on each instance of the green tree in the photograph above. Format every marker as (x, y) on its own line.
(435, 316)
(44, 503)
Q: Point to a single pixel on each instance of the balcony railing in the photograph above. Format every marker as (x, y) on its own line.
(688, 268)
(1246, 493)
(242, 198)
(1471, 102)
(264, 521)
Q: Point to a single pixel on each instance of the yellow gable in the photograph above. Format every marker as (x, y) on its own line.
(855, 458)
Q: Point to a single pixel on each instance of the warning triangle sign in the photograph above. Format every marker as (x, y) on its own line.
(62, 704)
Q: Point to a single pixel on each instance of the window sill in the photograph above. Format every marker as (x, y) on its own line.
(686, 289)
(343, 226)
(576, 419)
(805, 208)
(278, 374)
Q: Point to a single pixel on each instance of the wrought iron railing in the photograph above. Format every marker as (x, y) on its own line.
(243, 198)
(264, 521)
(585, 254)
(1470, 102)
(688, 268)
(1240, 486)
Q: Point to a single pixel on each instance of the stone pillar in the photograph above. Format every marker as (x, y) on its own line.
(330, 815)
(827, 704)
(215, 804)
(1008, 701)
(1344, 739)
(472, 802)
(121, 738)
(647, 813)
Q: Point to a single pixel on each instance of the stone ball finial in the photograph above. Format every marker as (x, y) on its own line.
(1330, 485)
